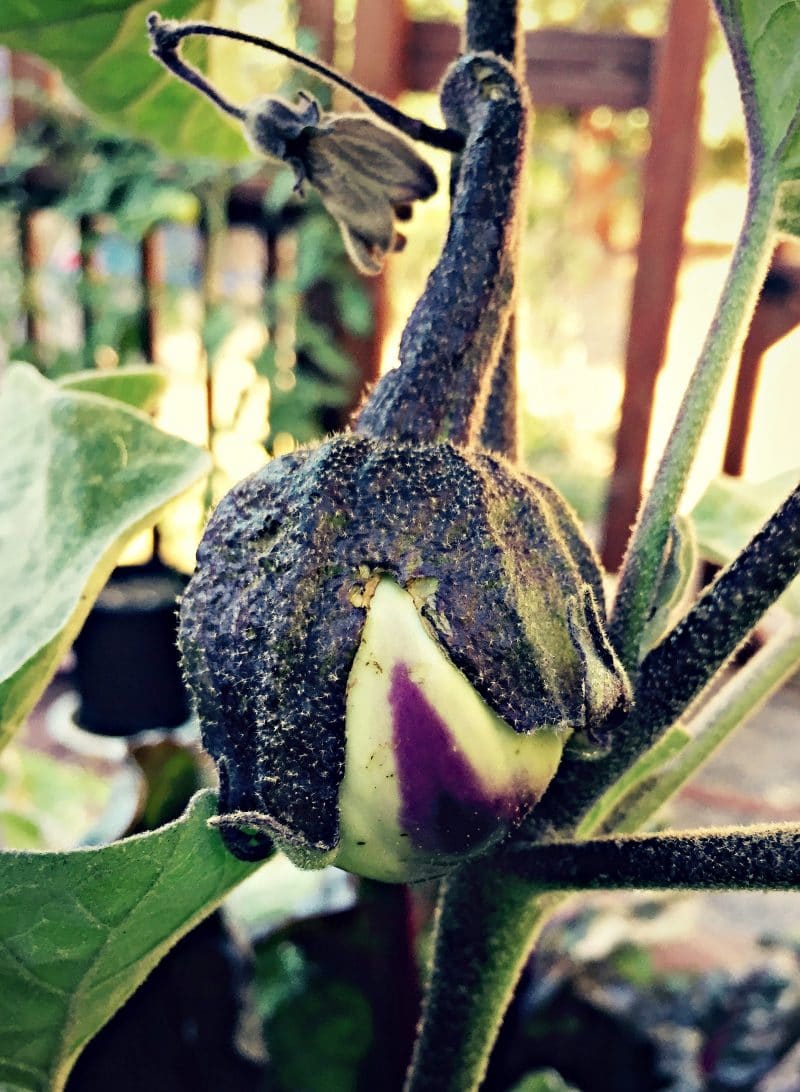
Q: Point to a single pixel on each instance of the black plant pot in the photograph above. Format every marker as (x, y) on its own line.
(127, 664)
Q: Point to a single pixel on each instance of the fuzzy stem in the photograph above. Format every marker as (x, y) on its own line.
(214, 224)
(763, 858)
(675, 672)
(496, 28)
(734, 311)
(166, 37)
(743, 695)
(487, 924)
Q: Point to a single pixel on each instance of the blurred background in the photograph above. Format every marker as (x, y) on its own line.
(116, 250)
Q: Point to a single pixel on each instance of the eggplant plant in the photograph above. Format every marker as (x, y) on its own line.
(397, 639)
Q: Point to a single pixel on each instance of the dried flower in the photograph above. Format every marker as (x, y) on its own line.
(365, 173)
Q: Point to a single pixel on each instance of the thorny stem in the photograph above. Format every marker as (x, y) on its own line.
(764, 858)
(734, 311)
(675, 672)
(166, 37)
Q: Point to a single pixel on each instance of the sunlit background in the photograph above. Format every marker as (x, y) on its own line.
(579, 257)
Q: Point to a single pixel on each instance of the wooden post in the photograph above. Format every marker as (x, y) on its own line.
(26, 69)
(777, 314)
(151, 259)
(667, 184)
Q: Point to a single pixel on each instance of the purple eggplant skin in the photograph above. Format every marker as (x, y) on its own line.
(503, 581)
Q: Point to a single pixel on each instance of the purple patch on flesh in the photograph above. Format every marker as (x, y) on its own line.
(443, 805)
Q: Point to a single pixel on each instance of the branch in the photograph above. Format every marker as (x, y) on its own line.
(675, 671)
(496, 27)
(735, 308)
(500, 427)
(486, 927)
(764, 858)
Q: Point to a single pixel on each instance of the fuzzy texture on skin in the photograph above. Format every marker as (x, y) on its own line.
(271, 621)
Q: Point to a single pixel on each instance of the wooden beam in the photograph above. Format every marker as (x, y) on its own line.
(777, 314)
(564, 67)
(668, 175)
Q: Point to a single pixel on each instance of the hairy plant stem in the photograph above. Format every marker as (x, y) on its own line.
(764, 674)
(486, 927)
(166, 36)
(495, 27)
(733, 314)
(764, 858)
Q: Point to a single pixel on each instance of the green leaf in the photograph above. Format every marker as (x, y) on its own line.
(543, 1080)
(788, 218)
(102, 49)
(731, 511)
(59, 801)
(79, 476)
(136, 385)
(764, 40)
(82, 930)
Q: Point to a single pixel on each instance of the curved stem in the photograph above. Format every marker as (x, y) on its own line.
(167, 35)
(451, 343)
(487, 924)
(734, 311)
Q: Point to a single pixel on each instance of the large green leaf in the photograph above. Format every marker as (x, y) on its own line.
(764, 39)
(79, 476)
(102, 49)
(139, 385)
(81, 930)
